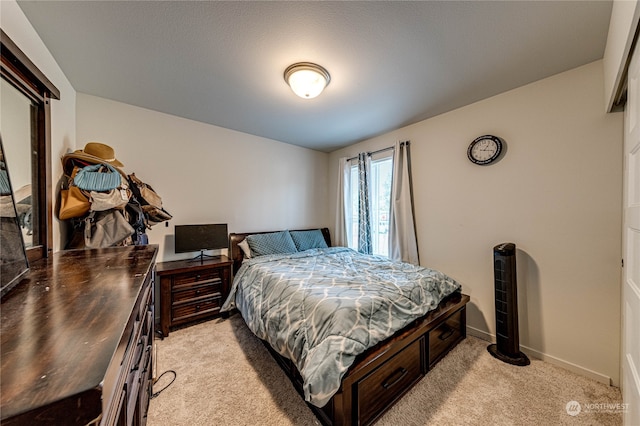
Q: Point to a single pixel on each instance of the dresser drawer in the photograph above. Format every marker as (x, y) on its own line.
(384, 385)
(145, 302)
(197, 276)
(187, 311)
(445, 336)
(135, 385)
(192, 291)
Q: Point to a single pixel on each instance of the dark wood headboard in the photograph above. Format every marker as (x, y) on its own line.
(235, 252)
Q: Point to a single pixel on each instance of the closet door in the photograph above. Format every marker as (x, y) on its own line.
(631, 248)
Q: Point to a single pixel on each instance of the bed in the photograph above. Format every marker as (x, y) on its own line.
(380, 356)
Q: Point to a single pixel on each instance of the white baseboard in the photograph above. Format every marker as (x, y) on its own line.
(532, 353)
(483, 335)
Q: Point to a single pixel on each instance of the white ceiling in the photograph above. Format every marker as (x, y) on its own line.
(391, 63)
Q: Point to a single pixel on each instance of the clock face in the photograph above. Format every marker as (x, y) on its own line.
(485, 149)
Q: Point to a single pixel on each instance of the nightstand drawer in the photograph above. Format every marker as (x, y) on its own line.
(188, 292)
(197, 276)
(188, 311)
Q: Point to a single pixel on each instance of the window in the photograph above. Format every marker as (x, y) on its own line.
(380, 177)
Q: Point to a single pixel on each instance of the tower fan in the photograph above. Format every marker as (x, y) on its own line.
(507, 346)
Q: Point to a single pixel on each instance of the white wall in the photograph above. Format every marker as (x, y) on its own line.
(15, 123)
(208, 174)
(15, 24)
(556, 195)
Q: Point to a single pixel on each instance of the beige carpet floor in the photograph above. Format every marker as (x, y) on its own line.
(225, 376)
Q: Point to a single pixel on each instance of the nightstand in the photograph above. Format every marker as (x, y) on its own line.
(192, 290)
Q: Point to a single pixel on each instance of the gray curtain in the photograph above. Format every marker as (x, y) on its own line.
(342, 237)
(403, 245)
(364, 213)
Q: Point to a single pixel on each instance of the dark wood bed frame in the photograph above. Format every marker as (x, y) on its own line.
(384, 373)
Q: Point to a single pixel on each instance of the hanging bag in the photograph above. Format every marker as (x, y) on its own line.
(149, 200)
(144, 192)
(73, 201)
(105, 229)
(114, 199)
(155, 215)
(99, 177)
(135, 215)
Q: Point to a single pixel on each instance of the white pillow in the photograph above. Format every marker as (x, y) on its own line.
(244, 245)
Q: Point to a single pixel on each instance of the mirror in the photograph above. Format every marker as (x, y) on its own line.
(16, 131)
(13, 258)
(25, 117)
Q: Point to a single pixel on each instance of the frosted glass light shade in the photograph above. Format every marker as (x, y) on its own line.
(306, 79)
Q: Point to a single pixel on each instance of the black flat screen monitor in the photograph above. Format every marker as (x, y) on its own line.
(192, 238)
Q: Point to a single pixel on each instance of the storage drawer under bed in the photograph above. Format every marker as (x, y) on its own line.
(387, 383)
(445, 336)
(376, 381)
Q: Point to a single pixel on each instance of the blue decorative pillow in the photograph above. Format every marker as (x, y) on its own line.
(306, 240)
(271, 243)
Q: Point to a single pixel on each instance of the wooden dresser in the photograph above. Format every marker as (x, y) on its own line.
(77, 339)
(192, 290)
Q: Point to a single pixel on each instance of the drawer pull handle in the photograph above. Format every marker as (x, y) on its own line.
(197, 307)
(197, 292)
(400, 373)
(136, 364)
(446, 334)
(147, 364)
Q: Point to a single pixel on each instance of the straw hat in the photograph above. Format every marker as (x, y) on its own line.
(94, 152)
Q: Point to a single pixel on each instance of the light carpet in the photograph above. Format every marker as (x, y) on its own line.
(225, 376)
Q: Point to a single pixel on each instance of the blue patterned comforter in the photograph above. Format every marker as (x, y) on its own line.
(322, 307)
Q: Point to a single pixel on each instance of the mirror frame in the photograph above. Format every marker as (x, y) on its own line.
(17, 69)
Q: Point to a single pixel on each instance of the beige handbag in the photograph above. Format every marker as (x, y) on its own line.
(114, 199)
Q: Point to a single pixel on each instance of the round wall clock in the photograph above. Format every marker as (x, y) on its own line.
(485, 149)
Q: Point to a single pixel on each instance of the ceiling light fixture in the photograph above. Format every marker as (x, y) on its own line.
(306, 79)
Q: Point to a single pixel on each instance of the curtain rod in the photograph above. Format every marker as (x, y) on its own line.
(379, 151)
